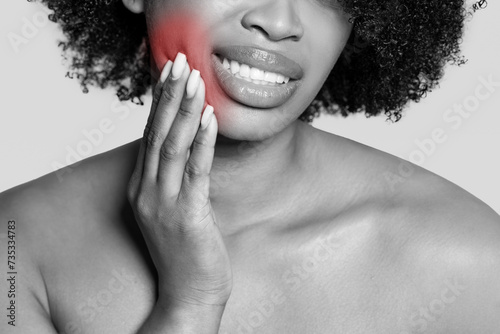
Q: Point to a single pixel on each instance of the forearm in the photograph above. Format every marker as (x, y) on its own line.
(186, 319)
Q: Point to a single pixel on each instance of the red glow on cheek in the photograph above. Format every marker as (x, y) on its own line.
(183, 32)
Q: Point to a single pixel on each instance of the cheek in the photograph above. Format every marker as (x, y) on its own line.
(183, 31)
(336, 44)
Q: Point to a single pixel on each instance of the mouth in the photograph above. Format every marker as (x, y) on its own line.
(255, 77)
(252, 74)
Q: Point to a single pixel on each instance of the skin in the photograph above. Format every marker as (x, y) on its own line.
(324, 235)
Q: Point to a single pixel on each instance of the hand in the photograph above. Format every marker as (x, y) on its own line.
(169, 192)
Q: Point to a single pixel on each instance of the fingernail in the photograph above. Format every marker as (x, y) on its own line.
(179, 65)
(207, 116)
(166, 71)
(192, 84)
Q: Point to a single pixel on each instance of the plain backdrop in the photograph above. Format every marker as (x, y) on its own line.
(46, 121)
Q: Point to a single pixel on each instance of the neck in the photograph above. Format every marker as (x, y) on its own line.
(250, 179)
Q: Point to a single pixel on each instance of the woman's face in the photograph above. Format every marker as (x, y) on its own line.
(274, 41)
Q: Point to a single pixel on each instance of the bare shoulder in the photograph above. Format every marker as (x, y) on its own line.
(432, 246)
(448, 246)
(50, 206)
(46, 218)
(23, 210)
(67, 202)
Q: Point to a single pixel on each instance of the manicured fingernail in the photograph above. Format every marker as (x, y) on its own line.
(179, 65)
(207, 116)
(192, 84)
(166, 71)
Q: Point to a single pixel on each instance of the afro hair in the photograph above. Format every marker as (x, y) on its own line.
(396, 52)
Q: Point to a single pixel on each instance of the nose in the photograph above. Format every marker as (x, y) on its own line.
(276, 19)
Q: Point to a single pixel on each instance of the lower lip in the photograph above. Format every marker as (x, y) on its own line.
(249, 93)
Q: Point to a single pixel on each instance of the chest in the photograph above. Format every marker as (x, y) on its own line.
(298, 284)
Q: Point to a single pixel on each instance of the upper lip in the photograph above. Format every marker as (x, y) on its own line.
(263, 59)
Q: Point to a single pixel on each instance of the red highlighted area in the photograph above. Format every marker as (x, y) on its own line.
(183, 32)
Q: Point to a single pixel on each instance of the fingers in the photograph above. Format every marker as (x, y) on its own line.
(138, 171)
(167, 155)
(167, 106)
(196, 178)
(173, 153)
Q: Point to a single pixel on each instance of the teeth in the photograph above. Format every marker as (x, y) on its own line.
(235, 67)
(270, 76)
(258, 82)
(252, 74)
(256, 74)
(245, 71)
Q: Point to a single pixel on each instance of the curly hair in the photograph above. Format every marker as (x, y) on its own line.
(396, 52)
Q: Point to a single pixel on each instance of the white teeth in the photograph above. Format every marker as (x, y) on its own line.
(256, 74)
(245, 71)
(252, 74)
(258, 82)
(235, 67)
(270, 76)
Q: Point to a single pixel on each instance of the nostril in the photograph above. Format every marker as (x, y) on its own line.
(259, 29)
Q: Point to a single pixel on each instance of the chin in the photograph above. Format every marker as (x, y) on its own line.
(238, 122)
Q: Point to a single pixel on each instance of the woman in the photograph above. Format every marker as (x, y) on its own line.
(230, 219)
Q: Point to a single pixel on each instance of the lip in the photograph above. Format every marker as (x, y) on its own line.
(249, 93)
(263, 59)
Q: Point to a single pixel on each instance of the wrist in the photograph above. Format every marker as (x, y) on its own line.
(184, 317)
(198, 300)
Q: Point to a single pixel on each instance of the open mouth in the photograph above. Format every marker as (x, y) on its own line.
(252, 86)
(252, 74)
